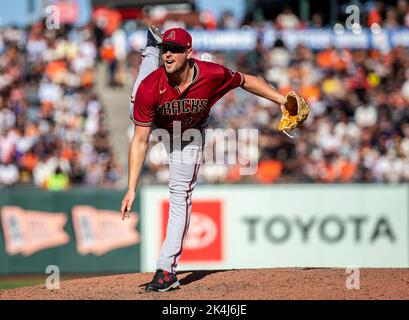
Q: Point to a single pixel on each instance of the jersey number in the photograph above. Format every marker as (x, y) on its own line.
(186, 122)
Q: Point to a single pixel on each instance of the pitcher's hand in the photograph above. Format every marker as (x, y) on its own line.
(126, 204)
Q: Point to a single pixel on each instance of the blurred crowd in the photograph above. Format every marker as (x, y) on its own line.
(53, 130)
(358, 128)
(53, 126)
(357, 131)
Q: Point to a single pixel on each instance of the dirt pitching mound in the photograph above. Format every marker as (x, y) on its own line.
(260, 284)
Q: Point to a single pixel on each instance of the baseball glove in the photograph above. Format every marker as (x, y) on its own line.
(294, 113)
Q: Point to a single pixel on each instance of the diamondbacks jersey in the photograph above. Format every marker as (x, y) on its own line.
(158, 102)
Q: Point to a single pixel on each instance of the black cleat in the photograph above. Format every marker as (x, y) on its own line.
(154, 36)
(162, 281)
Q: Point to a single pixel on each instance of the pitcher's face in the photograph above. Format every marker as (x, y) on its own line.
(175, 58)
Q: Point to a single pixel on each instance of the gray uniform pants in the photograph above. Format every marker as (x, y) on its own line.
(184, 165)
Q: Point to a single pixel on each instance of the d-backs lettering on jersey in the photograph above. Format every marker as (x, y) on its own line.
(158, 102)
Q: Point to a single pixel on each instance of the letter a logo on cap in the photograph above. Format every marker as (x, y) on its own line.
(171, 36)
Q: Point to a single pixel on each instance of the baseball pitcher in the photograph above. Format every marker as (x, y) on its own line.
(183, 90)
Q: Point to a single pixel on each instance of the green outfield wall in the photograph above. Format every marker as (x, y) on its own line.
(79, 231)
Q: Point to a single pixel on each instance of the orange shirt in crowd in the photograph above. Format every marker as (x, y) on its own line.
(341, 170)
(310, 92)
(108, 53)
(29, 161)
(374, 17)
(87, 78)
(269, 171)
(55, 68)
(324, 58)
(111, 17)
(67, 153)
(330, 58)
(348, 170)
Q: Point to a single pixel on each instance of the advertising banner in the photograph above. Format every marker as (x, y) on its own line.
(245, 39)
(284, 226)
(79, 230)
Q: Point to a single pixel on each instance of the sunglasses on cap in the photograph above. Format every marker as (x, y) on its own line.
(173, 49)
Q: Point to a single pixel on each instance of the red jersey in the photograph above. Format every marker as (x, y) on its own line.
(160, 103)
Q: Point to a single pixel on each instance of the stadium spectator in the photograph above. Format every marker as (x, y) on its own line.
(57, 181)
(287, 19)
(376, 14)
(316, 21)
(228, 21)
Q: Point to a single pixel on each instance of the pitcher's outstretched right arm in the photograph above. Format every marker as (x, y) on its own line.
(137, 154)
